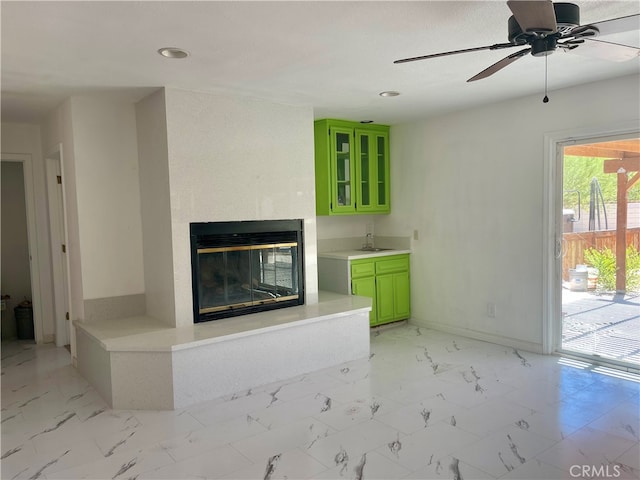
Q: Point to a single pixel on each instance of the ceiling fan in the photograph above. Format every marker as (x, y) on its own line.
(545, 26)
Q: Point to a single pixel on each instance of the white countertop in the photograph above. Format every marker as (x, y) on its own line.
(358, 254)
(147, 334)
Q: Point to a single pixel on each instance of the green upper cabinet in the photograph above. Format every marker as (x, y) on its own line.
(352, 168)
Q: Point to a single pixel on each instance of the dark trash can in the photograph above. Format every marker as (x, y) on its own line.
(24, 322)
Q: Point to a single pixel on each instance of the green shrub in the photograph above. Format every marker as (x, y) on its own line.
(605, 261)
(633, 269)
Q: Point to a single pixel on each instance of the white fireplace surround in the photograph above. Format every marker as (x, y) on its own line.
(208, 158)
(197, 164)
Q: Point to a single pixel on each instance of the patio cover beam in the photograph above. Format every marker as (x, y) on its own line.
(621, 166)
(629, 164)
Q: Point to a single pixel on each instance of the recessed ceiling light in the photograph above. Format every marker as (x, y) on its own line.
(173, 52)
(389, 93)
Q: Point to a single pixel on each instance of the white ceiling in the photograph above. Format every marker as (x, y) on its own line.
(334, 56)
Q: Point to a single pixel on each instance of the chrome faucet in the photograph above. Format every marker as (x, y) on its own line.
(369, 241)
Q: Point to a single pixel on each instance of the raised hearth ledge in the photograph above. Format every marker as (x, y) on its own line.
(139, 363)
(145, 334)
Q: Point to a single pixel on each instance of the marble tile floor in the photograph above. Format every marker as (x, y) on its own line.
(424, 405)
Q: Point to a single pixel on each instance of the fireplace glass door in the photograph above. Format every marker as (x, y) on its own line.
(246, 267)
(234, 277)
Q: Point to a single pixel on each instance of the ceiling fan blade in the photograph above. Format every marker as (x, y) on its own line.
(496, 46)
(618, 25)
(499, 65)
(534, 15)
(614, 52)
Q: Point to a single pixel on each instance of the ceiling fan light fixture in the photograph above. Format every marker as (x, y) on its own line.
(173, 52)
(389, 93)
(541, 47)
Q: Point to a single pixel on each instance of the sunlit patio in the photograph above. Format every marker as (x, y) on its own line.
(605, 325)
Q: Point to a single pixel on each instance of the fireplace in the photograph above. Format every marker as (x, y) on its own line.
(246, 267)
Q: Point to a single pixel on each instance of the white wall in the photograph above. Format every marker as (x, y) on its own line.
(156, 207)
(57, 130)
(472, 184)
(108, 196)
(97, 135)
(344, 226)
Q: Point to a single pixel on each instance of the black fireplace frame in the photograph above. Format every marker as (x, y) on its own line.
(207, 234)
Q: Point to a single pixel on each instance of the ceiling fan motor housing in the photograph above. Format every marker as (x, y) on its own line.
(543, 46)
(567, 18)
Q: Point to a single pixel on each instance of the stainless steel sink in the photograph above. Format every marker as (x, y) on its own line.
(372, 249)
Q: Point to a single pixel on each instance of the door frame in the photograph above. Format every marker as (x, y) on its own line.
(554, 142)
(58, 236)
(32, 238)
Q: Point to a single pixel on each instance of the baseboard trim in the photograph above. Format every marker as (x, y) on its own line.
(483, 336)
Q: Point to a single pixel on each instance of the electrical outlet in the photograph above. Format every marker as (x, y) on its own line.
(491, 310)
(416, 235)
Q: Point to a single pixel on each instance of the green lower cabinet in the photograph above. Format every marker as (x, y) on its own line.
(402, 295)
(386, 281)
(385, 298)
(366, 287)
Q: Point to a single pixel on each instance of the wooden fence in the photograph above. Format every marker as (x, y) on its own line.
(574, 245)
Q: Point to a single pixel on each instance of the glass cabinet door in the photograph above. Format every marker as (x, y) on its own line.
(382, 170)
(343, 173)
(372, 171)
(364, 171)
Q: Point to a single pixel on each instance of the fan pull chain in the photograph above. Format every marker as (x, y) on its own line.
(546, 98)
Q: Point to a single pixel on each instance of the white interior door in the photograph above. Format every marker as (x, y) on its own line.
(59, 257)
